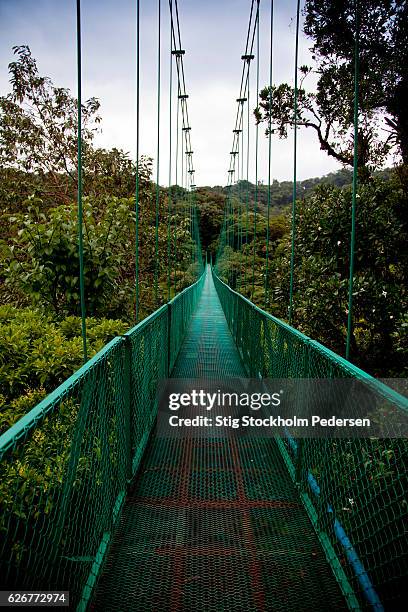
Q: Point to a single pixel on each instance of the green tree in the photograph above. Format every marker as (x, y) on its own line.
(38, 125)
(383, 42)
(112, 172)
(44, 260)
(322, 268)
(383, 82)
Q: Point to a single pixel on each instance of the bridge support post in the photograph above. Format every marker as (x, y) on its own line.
(127, 399)
(304, 373)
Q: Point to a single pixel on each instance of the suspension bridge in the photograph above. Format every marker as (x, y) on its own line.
(125, 519)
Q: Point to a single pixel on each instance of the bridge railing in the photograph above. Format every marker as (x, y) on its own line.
(354, 490)
(66, 465)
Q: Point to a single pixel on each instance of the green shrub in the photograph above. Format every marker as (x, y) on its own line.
(43, 259)
(321, 280)
(37, 354)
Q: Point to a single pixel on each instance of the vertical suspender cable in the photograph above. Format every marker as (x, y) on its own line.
(79, 191)
(247, 179)
(182, 147)
(177, 129)
(176, 182)
(191, 223)
(156, 247)
(256, 149)
(241, 196)
(269, 157)
(193, 205)
(240, 179)
(355, 173)
(233, 182)
(137, 160)
(184, 203)
(295, 112)
(170, 143)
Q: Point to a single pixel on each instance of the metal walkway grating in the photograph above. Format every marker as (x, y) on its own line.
(208, 350)
(214, 524)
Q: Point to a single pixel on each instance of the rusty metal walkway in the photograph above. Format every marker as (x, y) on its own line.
(214, 524)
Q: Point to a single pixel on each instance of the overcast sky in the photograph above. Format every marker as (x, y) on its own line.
(213, 34)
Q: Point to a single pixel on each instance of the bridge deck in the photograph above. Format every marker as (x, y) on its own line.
(214, 524)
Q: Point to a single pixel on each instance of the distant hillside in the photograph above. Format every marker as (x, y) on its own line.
(281, 192)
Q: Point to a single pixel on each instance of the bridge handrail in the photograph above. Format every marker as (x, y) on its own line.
(386, 391)
(65, 466)
(352, 488)
(31, 419)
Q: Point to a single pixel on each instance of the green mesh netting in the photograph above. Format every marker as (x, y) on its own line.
(208, 524)
(354, 490)
(65, 466)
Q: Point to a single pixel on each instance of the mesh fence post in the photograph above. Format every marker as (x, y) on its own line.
(127, 399)
(301, 442)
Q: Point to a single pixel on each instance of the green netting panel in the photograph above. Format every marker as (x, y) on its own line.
(354, 490)
(214, 524)
(182, 307)
(154, 346)
(63, 475)
(148, 359)
(363, 486)
(65, 466)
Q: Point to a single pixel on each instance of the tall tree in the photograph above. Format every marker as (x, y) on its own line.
(383, 50)
(38, 124)
(328, 110)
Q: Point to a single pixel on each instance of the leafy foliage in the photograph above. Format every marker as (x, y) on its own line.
(37, 353)
(383, 50)
(38, 122)
(45, 260)
(383, 83)
(322, 271)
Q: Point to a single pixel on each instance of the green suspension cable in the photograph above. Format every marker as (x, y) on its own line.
(190, 208)
(137, 161)
(184, 178)
(269, 158)
(256, 149)
(184, 208)
(233, 182)
(182, 148)
(194, 254)
(239, 205)
(193, 234)
(355, 174)
(177, 132)
(176, 170)
(232, 217)
(80, 210)
(247, 185)
(230, 221)
(190, 212)
(295, 110)
(169, 210)
(156, 247)
(241, 198)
